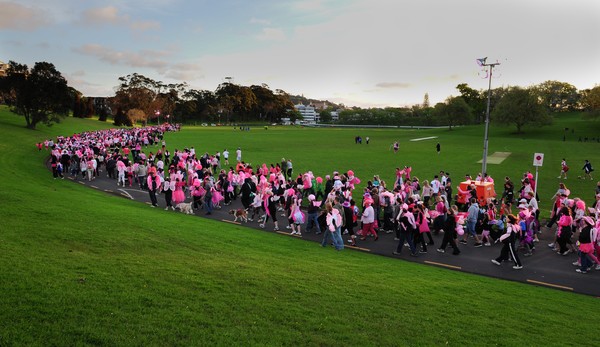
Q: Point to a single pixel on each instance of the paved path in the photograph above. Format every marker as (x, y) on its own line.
(544, 268)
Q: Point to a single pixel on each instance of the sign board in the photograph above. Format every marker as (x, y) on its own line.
(538, 159)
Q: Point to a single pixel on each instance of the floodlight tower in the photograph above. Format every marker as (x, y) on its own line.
(482, 62)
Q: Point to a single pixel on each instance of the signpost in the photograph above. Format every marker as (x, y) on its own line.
(538, 160)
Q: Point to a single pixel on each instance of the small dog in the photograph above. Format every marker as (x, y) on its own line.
(185, 207)
(239, 213)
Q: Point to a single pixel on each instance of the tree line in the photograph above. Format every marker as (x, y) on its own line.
(41, 95)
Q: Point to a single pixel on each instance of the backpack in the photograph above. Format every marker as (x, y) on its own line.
(480, 216)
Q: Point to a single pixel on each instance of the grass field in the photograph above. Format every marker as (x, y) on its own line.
(79, 267)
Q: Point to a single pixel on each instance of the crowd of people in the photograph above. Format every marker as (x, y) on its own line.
(411, 209)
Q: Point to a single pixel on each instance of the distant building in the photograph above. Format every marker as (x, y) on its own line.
(3, 68)
(335, 116)
(308, 112)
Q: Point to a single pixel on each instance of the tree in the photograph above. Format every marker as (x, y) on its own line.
(475, 99)
(41, 94)
(325, 116)
(591, 102)
(237, 101)
(454, 111)
(520, 107)
(425, 101)
(558, 96)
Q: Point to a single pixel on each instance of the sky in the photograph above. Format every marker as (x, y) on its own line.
(366, 53)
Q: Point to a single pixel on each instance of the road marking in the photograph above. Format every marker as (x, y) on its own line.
(442, 264)
(124, 193)
(231, 222)
(550, 285)
(423, 138)
(108, 191)
(81, 182)
(94, 187)
(288, 234)
(359, 248)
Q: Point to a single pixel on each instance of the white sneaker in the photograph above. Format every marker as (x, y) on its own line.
(598, 267)
(551, 245)
(261, 225)
(518, 267)
(576, 263)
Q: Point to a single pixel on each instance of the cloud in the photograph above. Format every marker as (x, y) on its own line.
(393, 85)
(14, 16)
(271, 34)
(152, 59)
(254, 20)
(103, 15)
(145, 25)
(133, 59)
(308, 5)
(184, 72)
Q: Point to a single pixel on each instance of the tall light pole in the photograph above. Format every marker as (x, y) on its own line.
(482, 62)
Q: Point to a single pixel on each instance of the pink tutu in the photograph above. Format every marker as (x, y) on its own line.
(217, 197)
(178, 196)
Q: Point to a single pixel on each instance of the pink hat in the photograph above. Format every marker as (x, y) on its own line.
(589, 220)
(319, 180)
(311, 197)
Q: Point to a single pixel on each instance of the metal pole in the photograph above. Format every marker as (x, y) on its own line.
(487, 121)
(536, 183)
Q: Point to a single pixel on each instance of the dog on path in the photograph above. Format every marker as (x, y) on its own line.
(185, 207)
(240, 214)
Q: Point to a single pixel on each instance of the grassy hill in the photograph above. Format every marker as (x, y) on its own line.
(80, 267)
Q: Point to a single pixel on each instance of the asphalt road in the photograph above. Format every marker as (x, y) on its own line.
(545, 268)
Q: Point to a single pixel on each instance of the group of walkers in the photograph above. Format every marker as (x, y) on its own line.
(411, 209)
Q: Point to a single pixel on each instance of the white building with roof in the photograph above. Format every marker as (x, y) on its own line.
(308, 112)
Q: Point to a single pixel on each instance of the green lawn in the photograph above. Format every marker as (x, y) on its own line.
(80, 267)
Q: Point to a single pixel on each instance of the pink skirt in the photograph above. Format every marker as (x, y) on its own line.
(178, 196)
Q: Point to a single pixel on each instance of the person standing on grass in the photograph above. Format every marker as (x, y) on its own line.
(563, 169)
(238, 154)
(508, 239)
(450, 235)
(438, 148)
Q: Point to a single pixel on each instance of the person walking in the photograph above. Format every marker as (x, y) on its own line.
(450, 231)
(407, 227)
(508, 239)
(153, 182)
(563, 169)
(368, 220)
(587, 170)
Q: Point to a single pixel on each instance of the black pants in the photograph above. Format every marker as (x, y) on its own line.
(508, 250)
(168, 197)
(450, 238)
(406, 236)
(153, 197)
(564, 239)
(197, 201)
